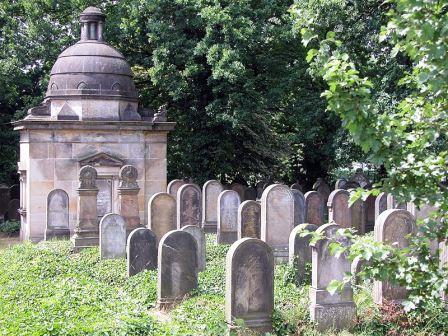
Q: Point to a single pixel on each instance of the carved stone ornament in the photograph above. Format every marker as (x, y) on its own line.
(128, 177)
(87, 177)
(161, 114)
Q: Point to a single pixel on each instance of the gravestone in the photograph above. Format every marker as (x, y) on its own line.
(392, 203)
(177, 268)
(240, 189)
(128, 190)
(112, 237)
(141, 251)
(86, 231)
(250, 284)
(322, 188)
(340, 183)
(189, 209)
(380, 204)
(443, 246)
(299, 207)
(358, 216)
(210, 193)
(315, 207)
(13, 210)
(173, 187)
(392, 228)
(199, 236)
(300, 250)
(161, 214)
(297, 186)
(277, 219)
(250, 194)
(370, 213)
(57, 214)
(357, 266)
(360, 179)
(338, 210)
(228, 203)
(4, 200)
(14, 191)
(260, 188)
(249, 220)
(336, 311)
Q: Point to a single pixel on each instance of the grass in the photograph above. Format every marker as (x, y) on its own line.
(47, 290)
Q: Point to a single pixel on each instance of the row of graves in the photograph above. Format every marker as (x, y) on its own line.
(9, 203)
(262, 232)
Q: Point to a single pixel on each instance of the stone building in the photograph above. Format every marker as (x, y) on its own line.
(90, 116)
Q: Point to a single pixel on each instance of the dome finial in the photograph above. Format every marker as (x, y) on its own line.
(92, 20)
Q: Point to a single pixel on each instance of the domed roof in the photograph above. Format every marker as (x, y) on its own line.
(91, 68)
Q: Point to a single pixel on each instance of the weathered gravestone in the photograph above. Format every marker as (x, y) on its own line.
(357, 267)
(86, 231)
(112, 237)
(322, 188)
(443, 245)
(210, 194)
(4, 200)
(299, 207)
(13, 210)
(370, 213)
(161, 214)
(57, 214)
(250, 194)
(392, 203)
(173, 187)
(315, 207)
(189, 209)
(392, 228)
(141, 251)
(260, 188)
(199, 236)
(358, 215)
(177, 268)
(277, 219)
(300, 250)
(128, 197)
(336, 311)
(338, 210)
(340, 183)
(249, 220)
(380, 204)
(250, 284)
(297, 186)
(228, 203)
(239, 188)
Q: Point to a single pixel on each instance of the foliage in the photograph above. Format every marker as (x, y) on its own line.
(408, 138)
(10, 226)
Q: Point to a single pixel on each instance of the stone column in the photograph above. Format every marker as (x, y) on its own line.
(86, 231)
(128, 195)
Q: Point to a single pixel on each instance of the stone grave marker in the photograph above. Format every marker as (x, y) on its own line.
(358, 216)
(392, 227)
(315, 208)
(141, 251)
(228, 203)
(57, 214)
(13, 210)
(199, 236)
(300, 250)
(380, 204)
(161, 214)
(112, 237)
(392, 203)
(277, 219)
(299, 207)
(177, 268)
(250, 284)
(128, 190)
(250, 194)
(240, 189)
(249, 220)
(173, 187)
(336, 311)
(210, 193)
(297, 186)
(338, 210)
(322, 188)
(189, 205)
(370, 213)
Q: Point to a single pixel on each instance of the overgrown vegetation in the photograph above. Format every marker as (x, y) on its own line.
(47, 290)
(10, 226)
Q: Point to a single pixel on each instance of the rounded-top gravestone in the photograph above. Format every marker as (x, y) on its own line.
(141, 251)
(189, 205)
(161, 214)
(112, 237)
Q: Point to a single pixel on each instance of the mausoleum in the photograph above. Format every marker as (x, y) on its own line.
(90, 116)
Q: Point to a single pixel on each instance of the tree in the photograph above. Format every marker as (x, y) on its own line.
(408, 137)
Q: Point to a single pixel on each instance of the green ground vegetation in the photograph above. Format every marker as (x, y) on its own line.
(45, 289)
